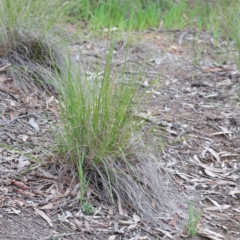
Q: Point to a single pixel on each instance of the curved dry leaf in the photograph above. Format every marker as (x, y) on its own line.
(34, 124)
(22, 162)
(173, 222)
(136, 218)
(168, 129)
(113, 237)
(164, 232)
(220, 133)
(237, 210)
(122, 222)
(223, 182)
(210, 234)
(120, 206)
(214, 202)
(44, 216)
(133, 226)
(209, 173)
(20, 185)
(224, 131)
(47, 206)
(220, 208)
(214, 69)
(213, 169)
(235, 193)
(214, 153)
(16, 211)
(183, 176)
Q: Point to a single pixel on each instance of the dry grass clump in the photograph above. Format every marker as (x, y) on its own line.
(27, 42)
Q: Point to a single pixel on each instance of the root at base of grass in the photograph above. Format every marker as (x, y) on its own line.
(137, 182)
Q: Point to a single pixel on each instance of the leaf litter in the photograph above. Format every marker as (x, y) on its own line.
(196, 113)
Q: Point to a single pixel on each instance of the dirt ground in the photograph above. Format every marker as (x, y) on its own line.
(195, 91)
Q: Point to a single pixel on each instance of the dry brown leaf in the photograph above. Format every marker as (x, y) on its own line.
(210, 234)
(235, 193)
(183, 176)
(87, 226)
(214, 202)
(117, 230)
(47, 206)
(133, 226)
(227, 154)
(136, 218)
(113, 237)
(220, 208)
(120, 206)
(25, 193)
(220, 133)
(173, 48)
(173, 222)
(18, 202)
(164, 232)
(3, 78)
(110, 213)
(223, 182)
(168, 129)
(209, 173)
(20, 185)
(16, 211)
(49, 100)
(126, 222)
(214, 153)
(22, 162)
(34, 124)
(78, 224)
(214, 69)
(237, 210)
(212, 169)
(2, 69)
(225, 130)
(44, 216)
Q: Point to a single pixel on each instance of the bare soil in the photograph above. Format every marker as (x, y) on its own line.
(194, 89)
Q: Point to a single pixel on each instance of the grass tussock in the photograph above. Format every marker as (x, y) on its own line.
(101, 136)
(27, 42)
(193, 221)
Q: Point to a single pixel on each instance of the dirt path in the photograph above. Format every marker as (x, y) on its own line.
(195, 108)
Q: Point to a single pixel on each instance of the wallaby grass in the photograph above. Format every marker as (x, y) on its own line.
(28, 43)
(102, 137)
(193, 220)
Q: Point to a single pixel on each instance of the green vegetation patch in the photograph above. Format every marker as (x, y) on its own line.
(27, 41)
